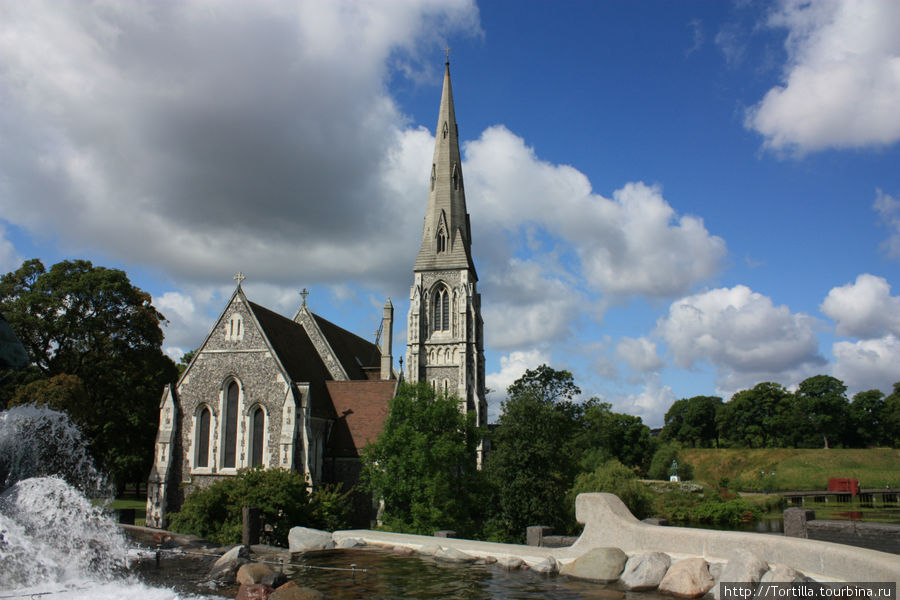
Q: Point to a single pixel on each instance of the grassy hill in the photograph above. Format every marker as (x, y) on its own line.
(794, 469)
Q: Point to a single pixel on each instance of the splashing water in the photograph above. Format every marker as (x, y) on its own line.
(53, 539)
(37, 442)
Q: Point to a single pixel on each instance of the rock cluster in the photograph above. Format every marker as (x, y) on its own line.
(686, 578)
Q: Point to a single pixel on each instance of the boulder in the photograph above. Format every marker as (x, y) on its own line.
(644, 571)
(254, 591)
(742, 567)
(783, 574)
(510, 562)
(597, 564)
(454, 555)
(225, 568)
(688, 578)
(252, 572)
(274, 579)
(403, 550)
(548, 566)
(429, 550)
(349, 543)
(291, 591)
(304, 539)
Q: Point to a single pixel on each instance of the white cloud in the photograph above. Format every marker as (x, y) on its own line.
(841, 85)
(10, 259)
(512, 367)
(864, 309)
(187, 325)
(633, 244)
(640, 354)
(527, 305)
(888, 209)
(650, 404)
(205, 139)
(743, 335)
(868, 364)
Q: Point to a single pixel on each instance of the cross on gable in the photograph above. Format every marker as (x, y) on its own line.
(239, 277)
(304, 293)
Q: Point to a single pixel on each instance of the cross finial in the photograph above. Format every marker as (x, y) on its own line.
(304, 293)
(239, 278)
(448, 54)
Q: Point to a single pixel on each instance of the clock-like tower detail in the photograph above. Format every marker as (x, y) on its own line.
(445, 345)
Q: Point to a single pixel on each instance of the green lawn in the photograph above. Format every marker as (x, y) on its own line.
(138, 504)
(781, 469)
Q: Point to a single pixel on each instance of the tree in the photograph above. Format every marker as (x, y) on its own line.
(822, 407)
(615, 478)
(92, 324)
(868, 413)
(754, 418)
(423, 465)
(891, 417)
(693, 421)
(620, 436)
(533, 462)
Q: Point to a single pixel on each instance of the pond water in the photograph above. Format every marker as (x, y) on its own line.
(381, 574)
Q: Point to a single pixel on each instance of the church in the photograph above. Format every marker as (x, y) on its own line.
(302, 393)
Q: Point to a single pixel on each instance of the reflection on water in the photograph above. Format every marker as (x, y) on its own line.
(380, 574)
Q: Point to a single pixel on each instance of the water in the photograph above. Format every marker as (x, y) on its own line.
(54, 540)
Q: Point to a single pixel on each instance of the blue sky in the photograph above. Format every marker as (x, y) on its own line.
(667, 198)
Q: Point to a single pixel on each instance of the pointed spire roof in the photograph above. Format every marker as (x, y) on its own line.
(446, 235)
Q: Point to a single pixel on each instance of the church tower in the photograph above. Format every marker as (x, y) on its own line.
(445, 345)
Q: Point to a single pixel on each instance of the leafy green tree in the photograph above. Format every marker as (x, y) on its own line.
(185, 361)
(692, 421)
(755, 418)
(621, 436)
(533, 459)
(423, 465)
(93, 324)
(821, 407)
(891, 418)
(615, 478)
(868, 413)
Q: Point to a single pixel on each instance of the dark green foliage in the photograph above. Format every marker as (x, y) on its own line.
(92, 324)
(620, 436)
(821, 408)
(331, 507)
(756, 418)
(705, 506)
(661, 464)
(615, 478)
(692, 421)
(423, 465)
(215, 512)
(867, 425)
(534, 458)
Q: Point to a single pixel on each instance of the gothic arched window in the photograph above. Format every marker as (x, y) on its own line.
(441, 241)
(229, 435)
(234, 329)
(258, 428)
(203, 438)
(441, 309)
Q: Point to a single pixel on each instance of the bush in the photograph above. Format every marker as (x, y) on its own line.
(705, 506)
(215, 512)
(661, 464)
(615, 478)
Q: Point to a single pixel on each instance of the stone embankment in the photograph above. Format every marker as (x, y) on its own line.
(617, 547)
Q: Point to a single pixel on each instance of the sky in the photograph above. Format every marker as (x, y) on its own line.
(667, 199)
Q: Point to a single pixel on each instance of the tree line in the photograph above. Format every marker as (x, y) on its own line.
(818, 414)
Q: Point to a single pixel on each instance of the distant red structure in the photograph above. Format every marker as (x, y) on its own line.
(844, 485)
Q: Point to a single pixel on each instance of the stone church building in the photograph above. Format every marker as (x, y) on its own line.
(304, 394)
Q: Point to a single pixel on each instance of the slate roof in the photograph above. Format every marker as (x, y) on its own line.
(302, 361)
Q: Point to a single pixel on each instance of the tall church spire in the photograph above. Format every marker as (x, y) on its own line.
(445, 342)
(446, 235)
